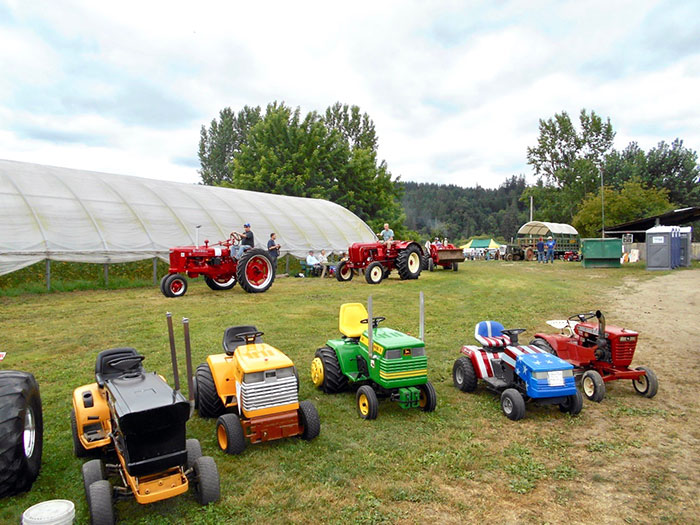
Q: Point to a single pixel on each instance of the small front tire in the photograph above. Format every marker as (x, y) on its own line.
(428, 397)
(573, 404)
(513, 404)
(647, 385)
(229, 434)
(194, 452)
(343, 273)
(593, 385)
(100, 503)
(367, 402)
(310, 420)
(374, 273)
(206, 479)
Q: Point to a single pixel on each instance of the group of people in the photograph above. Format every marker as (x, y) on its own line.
(548, 256)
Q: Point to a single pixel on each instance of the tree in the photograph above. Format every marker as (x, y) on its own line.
(633, 201)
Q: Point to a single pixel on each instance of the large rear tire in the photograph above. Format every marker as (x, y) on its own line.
(206, 480)
(255, 271)
(310, 420)
(464, 375)
(343, 273)
(408, 262)
(208, 399)
(221, 283)
(326, 373)
(78, 449)
(21, 431)
(543, 345)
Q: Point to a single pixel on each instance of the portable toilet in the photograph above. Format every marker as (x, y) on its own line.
(686, 245)
(660, 241)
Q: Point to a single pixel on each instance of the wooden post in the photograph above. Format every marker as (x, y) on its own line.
(155, 270)
(286, 267)
(106, 270)
(48, 274)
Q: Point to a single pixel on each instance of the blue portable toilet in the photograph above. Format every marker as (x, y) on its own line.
(686, 245)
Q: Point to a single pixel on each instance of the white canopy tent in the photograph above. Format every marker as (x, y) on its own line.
(84, 216)
(539, 229)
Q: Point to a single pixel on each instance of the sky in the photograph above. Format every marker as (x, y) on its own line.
(455, 89)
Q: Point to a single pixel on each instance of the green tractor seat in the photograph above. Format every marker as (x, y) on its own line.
(350, 319)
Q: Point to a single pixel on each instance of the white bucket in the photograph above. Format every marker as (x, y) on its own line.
(52, 512)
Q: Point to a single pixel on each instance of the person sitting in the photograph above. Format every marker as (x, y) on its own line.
(322, 258)
(247, 240)
(313, 264)
(387, 235)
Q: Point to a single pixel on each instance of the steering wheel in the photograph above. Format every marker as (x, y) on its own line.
(250, 337)
(126, 363)
(235, 236)
(512, 334)
(582, 317)
(375, 321)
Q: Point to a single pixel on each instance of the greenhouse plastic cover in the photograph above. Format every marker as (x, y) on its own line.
(537, 228)
(84, 216)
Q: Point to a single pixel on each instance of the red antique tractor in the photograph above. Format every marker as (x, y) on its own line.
(377, 259)
(446, 255)
(599, 354)
(221, 270)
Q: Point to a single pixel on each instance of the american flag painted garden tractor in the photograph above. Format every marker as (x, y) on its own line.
(254, 271)
(518, 373)
(377, 260)
(253, 389)
(135, 422)
(382, 362)
(599, 354)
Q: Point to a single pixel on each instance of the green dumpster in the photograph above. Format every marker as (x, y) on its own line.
(602, 253)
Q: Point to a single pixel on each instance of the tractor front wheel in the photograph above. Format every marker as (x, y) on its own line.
(326, 373)
(593, 385)
(428, 397)
(513, 404)
(255, 271)
(408, 262)
(174, 285)
(464, 375)
(343, 273)
(93, 470)
(367, 402)
(194, 451)
(206, 480)
(229, 434)
(208, 401)
(374, 273)
(221, 283)
(573, 404)
(100, 503)
(308, 415)
(647, 385)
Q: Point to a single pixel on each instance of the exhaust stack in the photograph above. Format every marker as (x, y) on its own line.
(370, 328)
(188, 361)
(421, 328)
(173, 354)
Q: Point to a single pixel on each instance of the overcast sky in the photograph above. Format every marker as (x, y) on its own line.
(455, 89)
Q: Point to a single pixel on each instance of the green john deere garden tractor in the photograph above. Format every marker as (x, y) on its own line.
(379, 362)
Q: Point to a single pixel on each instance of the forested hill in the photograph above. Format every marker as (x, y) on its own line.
(459, 213)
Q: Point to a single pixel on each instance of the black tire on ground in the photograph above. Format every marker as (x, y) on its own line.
(509, 257)
(647, 385)
(408, 262)
(100, 503)
(428, 397)
(543, 345)
(162, 284)
(206, 480)
(512, 404)
(455, 266)
(431, 264)
(573, 404)
(374, 273)
(334, 380)
(310, 420)
(93, 470)
(593, 385)
(208, 399)
(255, 271)
(229, 434)
(424, 262)
(464, 375)
(194, 451)
(175, 285)
(220, 283)
(342, 272)
(21, 431)
(387, 273)
(530, 254)
(78, 449)
(367, 402)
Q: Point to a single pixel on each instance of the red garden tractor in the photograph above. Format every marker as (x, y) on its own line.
(377, 259)
(221, 270)
(599, 354)
(446, 255)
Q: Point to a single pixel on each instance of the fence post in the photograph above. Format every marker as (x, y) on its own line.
(106, 269)
(286, 264)
(48, 274)
(155, 270)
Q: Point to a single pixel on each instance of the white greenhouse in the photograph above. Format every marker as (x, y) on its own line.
(84, 216)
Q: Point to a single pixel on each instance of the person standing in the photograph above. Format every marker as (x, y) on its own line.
(247, 240)
(273, 248)
(540, 251)
(551, 243)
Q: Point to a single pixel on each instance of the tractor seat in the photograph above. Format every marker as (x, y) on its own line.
(232, 339)
(104, 370)
(349, 320)
(488, 333)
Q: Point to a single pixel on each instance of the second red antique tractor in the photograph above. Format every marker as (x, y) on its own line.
(599, 353)
(377, 260)
(254, 271)
(446, 255)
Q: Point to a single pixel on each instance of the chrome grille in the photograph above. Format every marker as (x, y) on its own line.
(269, 393)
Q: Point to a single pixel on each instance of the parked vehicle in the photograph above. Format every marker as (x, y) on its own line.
(377, 260)
(446, 255)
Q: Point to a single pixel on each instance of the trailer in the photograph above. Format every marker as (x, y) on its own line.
(531, 232)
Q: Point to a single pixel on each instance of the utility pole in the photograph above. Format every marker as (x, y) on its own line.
(530, 208)
(602, 203)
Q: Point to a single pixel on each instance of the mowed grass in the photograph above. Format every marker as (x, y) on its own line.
(453, 464)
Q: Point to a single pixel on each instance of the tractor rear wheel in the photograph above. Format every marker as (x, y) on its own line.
(326, 373)
(229, 434)
(100, 503)
(194, 452)
(513, 404)
(208, 399)
(374, 273)
(593, 385)
(573, 404)
(255, 271)
(530, 254)
(367, 402)
(428, 397)
(221, 283)
(543, 345)
(162, 284)
(308, 415)
(78, 449)
(175, 285)
(647, 385)
(464, 375)
(509, 257)
(342, 272)
(93, 470)
(408, 262)
(206, 480)
(21, 431)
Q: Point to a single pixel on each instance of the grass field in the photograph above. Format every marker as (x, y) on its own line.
(463, 462)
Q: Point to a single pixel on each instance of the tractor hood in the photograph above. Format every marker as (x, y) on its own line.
(542, 363)
(261, 356)
(388, 338)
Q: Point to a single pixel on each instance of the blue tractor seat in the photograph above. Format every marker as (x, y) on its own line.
(488, 333)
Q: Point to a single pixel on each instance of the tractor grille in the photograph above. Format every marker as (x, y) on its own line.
(625, 352)
(269, 393)
(403, 369)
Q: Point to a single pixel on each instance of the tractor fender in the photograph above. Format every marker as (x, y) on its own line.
(91, 408)
(481, 360)
(402, 245)
(226, 374)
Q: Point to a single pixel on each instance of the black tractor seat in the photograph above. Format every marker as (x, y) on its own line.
(117, 362)
(232, 337)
